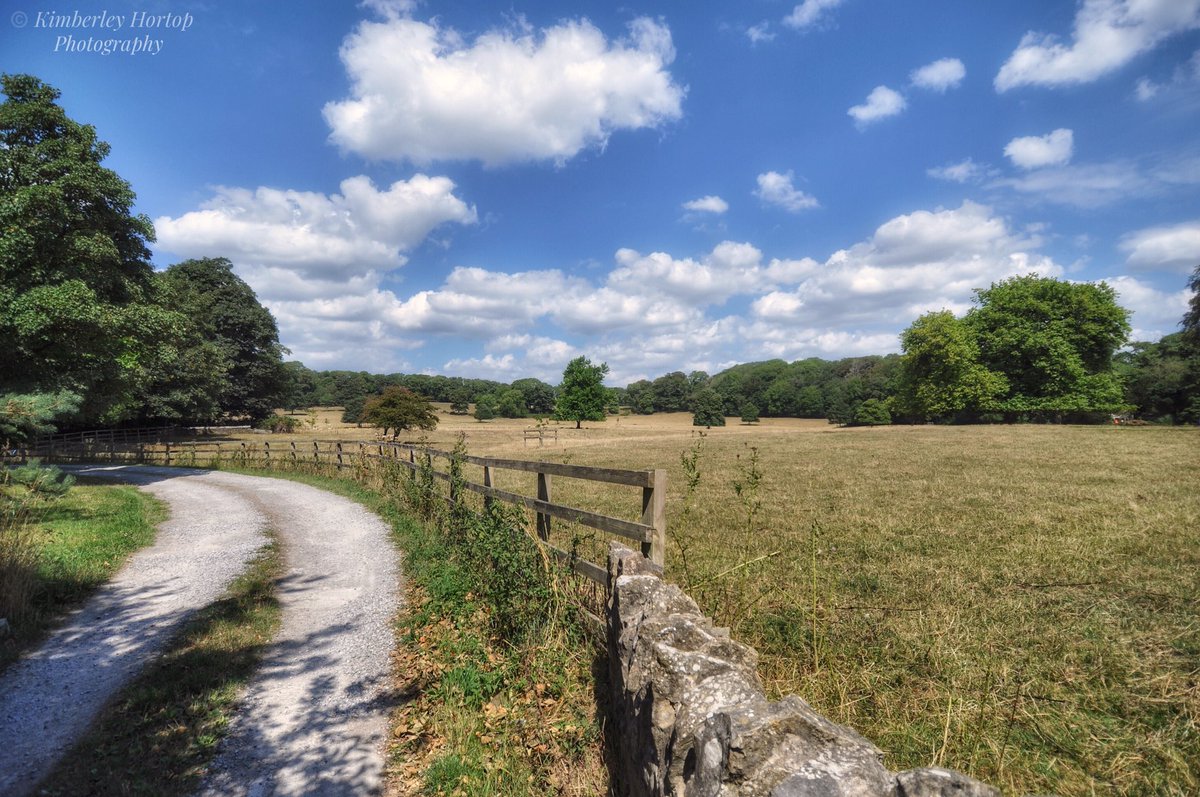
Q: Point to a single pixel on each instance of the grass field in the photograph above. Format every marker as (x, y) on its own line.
(1017, 602)
(70, 546)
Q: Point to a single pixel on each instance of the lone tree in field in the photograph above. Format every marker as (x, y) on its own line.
(398, 409)
(709, 408)
(582, 395)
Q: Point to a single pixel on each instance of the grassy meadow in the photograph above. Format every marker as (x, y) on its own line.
(1017, 602)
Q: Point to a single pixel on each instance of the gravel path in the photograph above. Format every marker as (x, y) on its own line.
(314, 719)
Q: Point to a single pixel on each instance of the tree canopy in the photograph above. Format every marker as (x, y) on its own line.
(582, 396)
(398, 409)
(76, 296)
(1053, 341)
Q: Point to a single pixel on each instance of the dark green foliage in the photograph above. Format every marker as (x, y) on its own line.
(510, 404)
(1162, 380)
(1191, 319)
(352, 409)
(460, 403)
(709, 408)
(940, 372)
(23, 417)
(671, 392)
(639, 396)
(76, 295)
(279, 424)
(1053, 341)
(41, 479)
(485, 408)
(227, 314)
(582, 396)
(538, 396)
(399, 409)
(749, 413)
(872, 412)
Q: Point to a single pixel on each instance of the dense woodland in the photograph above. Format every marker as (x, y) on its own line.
(93, 336)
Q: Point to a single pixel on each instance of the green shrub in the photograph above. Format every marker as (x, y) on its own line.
(872, 412)
(279, 424)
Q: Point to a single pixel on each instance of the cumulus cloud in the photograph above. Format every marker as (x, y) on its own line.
(943, 74)
(420, 92)
(914, 262)
(1035, 152)
(1107, 35)
(707, 204)
(809, 13)
(1153, 312)
(777, 189)
(352, 233)
(881, 103)
(1174, 247)
(965, 171)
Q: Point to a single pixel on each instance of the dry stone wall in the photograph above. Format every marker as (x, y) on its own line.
(690, 718)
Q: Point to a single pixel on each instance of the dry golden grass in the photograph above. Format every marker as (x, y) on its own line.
(1017, 602)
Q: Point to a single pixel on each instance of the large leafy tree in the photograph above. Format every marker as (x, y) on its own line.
(582, 396)
(227, 313)
(940, 373)
(1191, 319)
(399, 409)
(77, 314)
(1053, 341)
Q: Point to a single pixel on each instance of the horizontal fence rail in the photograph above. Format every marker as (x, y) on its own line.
(649, 531)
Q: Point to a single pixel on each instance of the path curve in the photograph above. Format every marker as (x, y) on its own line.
(315, 715)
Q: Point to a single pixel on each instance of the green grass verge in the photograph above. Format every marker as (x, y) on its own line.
(76, 543)
(157, 735)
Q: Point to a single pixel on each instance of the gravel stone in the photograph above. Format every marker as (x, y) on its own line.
(314, 717)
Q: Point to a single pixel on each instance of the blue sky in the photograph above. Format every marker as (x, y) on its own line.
(489, 190)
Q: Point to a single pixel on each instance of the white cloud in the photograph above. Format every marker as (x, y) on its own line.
(914, 262)
(1090, 185)
(1154, 313)
(1035, 152)
(1185, 77)
(881, 103)
(1175, 247)
(760, 33)
(362, 229)
(962, 172)
(777, 189)
(1107, 35)
(809, 13)
(943, 74)
(707, 204)
(420, 92)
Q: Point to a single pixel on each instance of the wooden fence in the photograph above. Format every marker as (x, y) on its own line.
(649, 531)
(541, 435)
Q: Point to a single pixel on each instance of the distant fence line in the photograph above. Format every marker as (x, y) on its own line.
(649, 531)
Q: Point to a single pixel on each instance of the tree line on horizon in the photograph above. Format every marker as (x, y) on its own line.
(93, 336)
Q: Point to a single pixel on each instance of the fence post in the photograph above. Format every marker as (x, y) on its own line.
(168, 456)
(293, 451)
(316, 453)
(339, 455)
(543, 494)
(487, 482)
(141, 453)
(412, 459)
(267, 453)
(654, 505)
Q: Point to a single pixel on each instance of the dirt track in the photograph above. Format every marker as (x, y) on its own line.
(314, 718)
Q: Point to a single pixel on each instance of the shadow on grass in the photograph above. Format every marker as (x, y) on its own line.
(157, 735)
